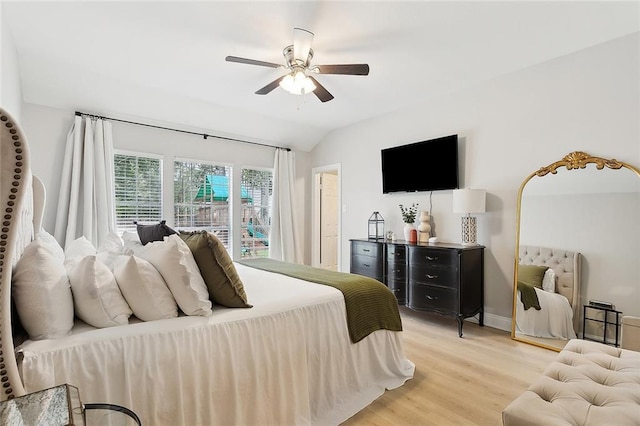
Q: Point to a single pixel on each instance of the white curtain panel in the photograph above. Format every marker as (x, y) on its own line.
(86, 203)
(284, 243)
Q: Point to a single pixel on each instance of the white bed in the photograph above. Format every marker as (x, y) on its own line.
(558, 314)
(287, 360)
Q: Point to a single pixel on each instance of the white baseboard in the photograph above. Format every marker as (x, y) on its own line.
(494, 321)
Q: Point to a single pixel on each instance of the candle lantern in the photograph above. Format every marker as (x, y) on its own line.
(376, 226)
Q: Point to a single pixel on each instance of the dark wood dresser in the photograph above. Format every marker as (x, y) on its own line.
(444, 278)
(367, 258)
(395, 273)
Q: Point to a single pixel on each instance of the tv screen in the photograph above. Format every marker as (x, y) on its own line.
(430, 165)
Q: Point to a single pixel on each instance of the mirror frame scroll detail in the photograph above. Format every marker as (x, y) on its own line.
(573, 161)
(577, 160)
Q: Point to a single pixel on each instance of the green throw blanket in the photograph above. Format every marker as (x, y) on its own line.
(370, 304)
(528, 296)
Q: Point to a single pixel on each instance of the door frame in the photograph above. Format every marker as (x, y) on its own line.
(315, 213)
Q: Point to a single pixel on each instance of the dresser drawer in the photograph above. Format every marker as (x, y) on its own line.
(433, 275)
(396, 270)
(396, 253)
(366, 265)
(361, 248)
(399, 289)
(426, 256)
(433, 298)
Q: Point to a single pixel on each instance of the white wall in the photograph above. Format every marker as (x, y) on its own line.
(46, 129)
(509, 127)
(10, 89)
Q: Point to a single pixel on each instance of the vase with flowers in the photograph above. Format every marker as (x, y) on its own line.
(409, 218)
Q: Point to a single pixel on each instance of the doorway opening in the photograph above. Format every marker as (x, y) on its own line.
(326, 219)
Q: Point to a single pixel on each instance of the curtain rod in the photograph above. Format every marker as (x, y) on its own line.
(204, 135)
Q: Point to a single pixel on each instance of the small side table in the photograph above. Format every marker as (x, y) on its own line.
(611, 317)
(110, 414)
(61, 405)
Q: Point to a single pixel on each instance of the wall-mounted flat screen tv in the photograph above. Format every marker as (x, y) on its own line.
(430, 165)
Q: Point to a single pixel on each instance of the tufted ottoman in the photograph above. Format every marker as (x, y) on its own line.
(589, 383)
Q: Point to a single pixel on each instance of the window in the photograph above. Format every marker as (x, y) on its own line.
(202, 198)
(138, 190)
(256, 191)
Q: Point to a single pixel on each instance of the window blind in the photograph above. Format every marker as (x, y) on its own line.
(138, 190)
(202, 198)
(256, 191)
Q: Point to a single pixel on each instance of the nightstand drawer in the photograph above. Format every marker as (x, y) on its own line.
(361, 248)
(366, 265)
(425, 256)
(433, 298)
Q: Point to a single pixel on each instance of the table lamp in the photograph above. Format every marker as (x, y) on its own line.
(466, 202)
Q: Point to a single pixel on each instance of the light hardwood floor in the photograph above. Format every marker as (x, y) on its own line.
(458, 381)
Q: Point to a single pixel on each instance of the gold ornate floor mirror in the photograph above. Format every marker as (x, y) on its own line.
(579, 213)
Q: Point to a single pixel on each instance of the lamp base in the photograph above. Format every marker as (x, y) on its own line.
(469, 233)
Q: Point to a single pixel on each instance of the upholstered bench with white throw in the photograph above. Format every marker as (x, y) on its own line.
(589, 383)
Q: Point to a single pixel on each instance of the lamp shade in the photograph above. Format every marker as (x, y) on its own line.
(469, 200)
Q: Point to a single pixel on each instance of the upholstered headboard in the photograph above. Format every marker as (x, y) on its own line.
(566, 265)
(16, 202)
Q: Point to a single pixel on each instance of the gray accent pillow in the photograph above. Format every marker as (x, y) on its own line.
(150, 233)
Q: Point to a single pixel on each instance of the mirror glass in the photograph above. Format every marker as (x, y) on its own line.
(595, 212)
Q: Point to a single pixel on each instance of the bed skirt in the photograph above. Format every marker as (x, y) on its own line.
(287, 360)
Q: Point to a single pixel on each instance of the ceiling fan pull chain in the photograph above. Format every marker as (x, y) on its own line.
(302, 100)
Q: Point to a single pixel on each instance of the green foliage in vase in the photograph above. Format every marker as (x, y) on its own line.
(409, 213)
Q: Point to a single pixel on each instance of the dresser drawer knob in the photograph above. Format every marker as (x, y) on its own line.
(396, 290)
(431, 277)
(366, 250)
(431, 297)
(431, 258)
(366, 265)
(396, 270)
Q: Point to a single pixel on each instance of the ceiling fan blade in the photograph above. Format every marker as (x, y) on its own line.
(301, 44)
(251, 62)
(269, 87)
(322, 93)
(349, 69)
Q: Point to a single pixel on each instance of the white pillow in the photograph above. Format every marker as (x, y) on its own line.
(51, 244)
(549, 281)
(110, 249)
(80, 247)
(41, 289)
(96, 296)
(132, 243)
(144, 289)
(173, 259)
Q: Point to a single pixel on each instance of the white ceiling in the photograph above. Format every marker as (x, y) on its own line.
(163, 62)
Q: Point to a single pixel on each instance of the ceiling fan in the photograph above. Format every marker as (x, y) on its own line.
(299, 79)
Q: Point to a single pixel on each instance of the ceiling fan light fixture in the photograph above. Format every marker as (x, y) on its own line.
(297, 83)
(300, 79)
